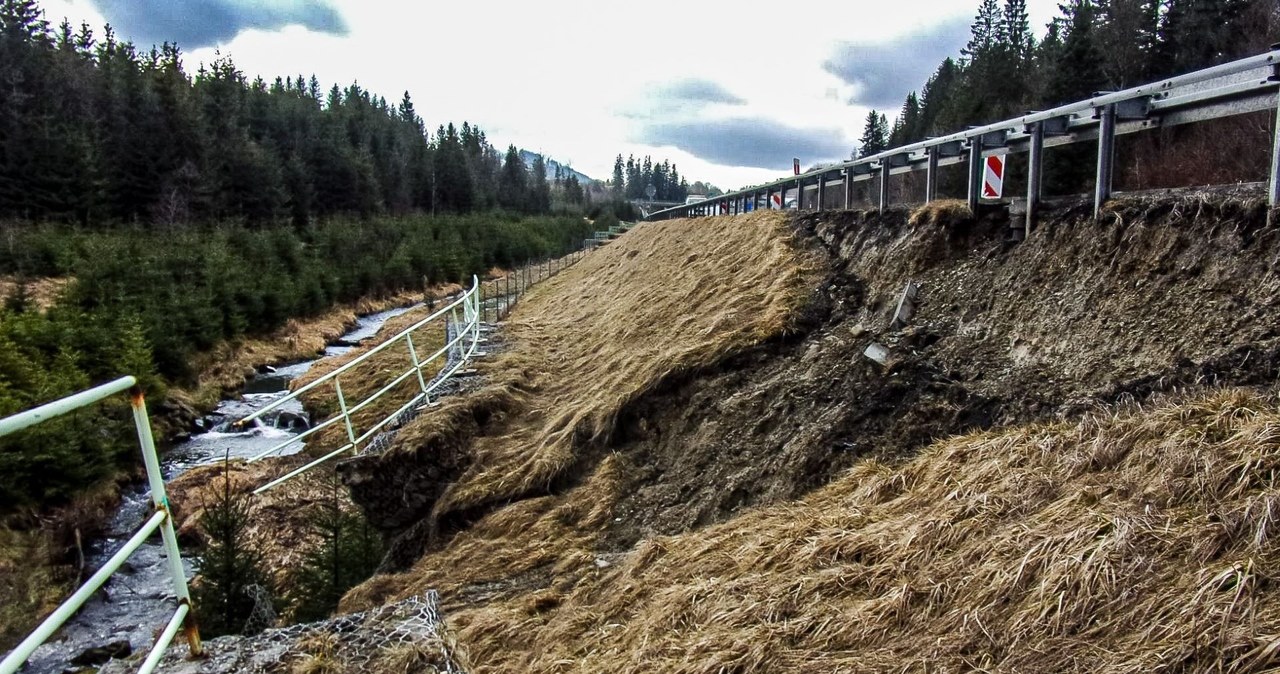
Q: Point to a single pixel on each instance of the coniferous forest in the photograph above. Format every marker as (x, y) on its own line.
(190, 208)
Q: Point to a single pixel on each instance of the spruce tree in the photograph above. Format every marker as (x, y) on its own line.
(229, 568)
(539, 191)
(513, 184)
(618, 183)
(875, 135)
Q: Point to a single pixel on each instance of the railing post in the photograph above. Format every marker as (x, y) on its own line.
(342, 404)
(1106, 157)
(848, 188)
(160, 501)
(1035, 170)
(799, 195)
(931, 175)
(975, 172)
(822, 192)
(417, 366)
(884, 184)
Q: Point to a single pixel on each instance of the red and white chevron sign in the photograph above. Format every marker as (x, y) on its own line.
(724, 208)
(775, 201)
(993, 177)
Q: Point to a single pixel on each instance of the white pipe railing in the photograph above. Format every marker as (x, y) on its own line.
(161, 520)
(456, 352)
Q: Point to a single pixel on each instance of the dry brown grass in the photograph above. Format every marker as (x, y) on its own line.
(940, 211)
(1136, 540)
(43, 292)
(370, 376)
(31, 584)
(225, 368)
(667, 298)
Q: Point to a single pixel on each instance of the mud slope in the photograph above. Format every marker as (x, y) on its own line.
(1161, 294)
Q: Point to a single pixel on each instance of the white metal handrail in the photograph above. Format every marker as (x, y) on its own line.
(162, 519)
(456, 351)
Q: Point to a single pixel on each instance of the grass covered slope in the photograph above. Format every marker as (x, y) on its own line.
(671, 297)
(664, 300)
(1132, 541)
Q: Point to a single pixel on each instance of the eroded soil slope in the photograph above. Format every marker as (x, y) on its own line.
(1134, 541)
(1160, 294)
(664, 300)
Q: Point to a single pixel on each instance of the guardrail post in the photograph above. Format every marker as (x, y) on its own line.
(822, 193)
(931, 175)
(1035, 170)
(1106, 157)
(799, 195)
(975, 172)
(1273, 190)
(848, 188)
(884, 184)
(160, 501)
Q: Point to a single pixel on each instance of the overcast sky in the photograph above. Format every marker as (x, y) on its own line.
(729, 91)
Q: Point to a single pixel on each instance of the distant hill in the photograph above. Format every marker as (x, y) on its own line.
(565, 171)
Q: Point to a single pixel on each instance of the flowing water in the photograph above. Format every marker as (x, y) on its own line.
(139, 599)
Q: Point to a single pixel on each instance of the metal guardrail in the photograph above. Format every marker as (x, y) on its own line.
(1235, 88)
(161, 520)
(455, 350)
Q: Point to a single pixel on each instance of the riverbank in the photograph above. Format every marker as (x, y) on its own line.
(224, 369)
(41, 556)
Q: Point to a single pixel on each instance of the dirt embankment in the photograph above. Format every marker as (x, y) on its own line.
(660, 302)
(1162, 294)
(1159, 295)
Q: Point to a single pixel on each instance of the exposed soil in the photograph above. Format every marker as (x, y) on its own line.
(586, 344)
(1162, 294)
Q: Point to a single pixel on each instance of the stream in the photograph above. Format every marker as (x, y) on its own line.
(138, 600)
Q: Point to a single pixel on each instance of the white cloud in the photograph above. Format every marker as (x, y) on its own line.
(567, 77)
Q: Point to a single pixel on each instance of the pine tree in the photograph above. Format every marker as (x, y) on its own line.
(228, 567)
(1127, 35)
(936, 96)
(1078, 72)
(513, 184)
(875, 135)
(453, 188)
(906, 128)
(618, 183)
(540, 191)
(349, 552)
